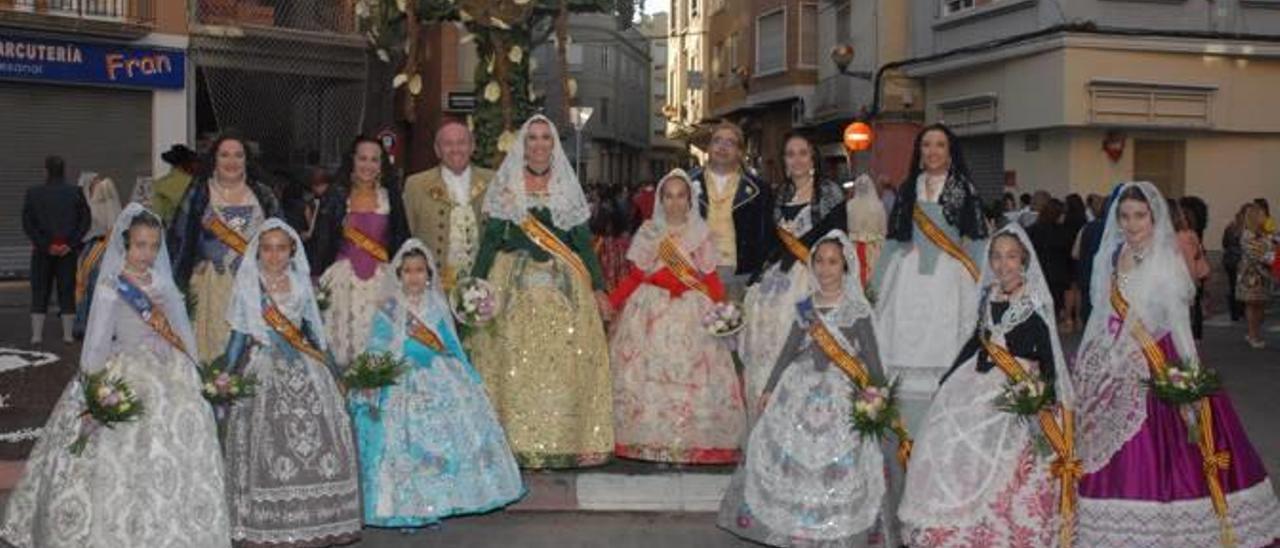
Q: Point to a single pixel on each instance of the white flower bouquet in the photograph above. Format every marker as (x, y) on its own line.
(723, 319)
(474, 302)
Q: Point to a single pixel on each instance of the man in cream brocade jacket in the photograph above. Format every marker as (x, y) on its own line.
(443, 203)
(438, 220)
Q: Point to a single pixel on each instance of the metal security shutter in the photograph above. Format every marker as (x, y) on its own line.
(107, 131)
(985, 156)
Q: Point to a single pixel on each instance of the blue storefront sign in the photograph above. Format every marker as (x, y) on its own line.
(91, 63)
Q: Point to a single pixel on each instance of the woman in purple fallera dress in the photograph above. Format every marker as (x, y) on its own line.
(1146, 482)
(361, 223)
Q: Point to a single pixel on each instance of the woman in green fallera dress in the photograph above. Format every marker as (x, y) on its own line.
(544, 359)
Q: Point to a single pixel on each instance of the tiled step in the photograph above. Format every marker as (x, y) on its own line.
(627, 487)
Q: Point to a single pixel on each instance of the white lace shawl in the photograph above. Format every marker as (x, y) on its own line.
(1036, 299)
(506, 198)
(245, 312)
(101, 326)
(695, 240)
(434, 306)
(1110, 374)
(853, 304)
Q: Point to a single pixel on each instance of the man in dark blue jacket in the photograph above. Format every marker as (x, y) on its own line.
(738, 208)
(55, 217)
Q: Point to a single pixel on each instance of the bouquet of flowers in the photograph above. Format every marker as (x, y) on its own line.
(108, 401)
(723, 319)
(1185, 382)
(1026, 397)
(370, 372)
(875, 410)
(222, 387)
(474, 302)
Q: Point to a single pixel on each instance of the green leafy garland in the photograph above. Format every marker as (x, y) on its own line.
(504, 34)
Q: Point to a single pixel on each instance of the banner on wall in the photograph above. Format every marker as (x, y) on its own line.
(91, 63)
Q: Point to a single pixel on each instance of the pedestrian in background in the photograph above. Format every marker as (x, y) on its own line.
(1193, 254)
(1232, 254)
(611, 236)
(1053, 247)
(55, 217)
(167, 191)
(642, 203)
(1073, 222)
(1253, 287)
(104, 206)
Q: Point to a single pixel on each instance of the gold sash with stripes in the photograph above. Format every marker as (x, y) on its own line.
(225, 234)
(1213, 460)
(90, 261)
(858, 372)
(675, 261)
(160, 324)
(290, 332)
(793, 245)
(366, 243)
(1066, 467)
(419, 331)
(547, 240)
(940, 239)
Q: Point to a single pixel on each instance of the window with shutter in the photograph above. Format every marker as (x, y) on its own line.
(809, 35)
(771, 43)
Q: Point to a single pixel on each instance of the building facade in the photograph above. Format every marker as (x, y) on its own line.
(763, 69)
(877, 34)
(289, 75)
(612, 70)
(102, 84)
(770, 69)
(687, 60)
(1077, 96)
(665, 153)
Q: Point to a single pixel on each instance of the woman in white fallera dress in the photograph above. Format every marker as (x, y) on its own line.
(808, 206)
(868, 222)
(157, 481)
(807, 478)
(976, 477)
(926, 281)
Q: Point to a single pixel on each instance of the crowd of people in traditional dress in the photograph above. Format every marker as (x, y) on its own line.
(927, 306)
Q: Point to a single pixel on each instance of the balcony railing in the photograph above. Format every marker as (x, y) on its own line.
(329, 16)
(136, 12)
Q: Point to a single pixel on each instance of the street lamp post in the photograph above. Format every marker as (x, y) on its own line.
(578, 116)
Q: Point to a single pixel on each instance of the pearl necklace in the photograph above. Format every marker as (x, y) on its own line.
(833, 295)
(144, 276)
(224, 192)
(276, 283)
